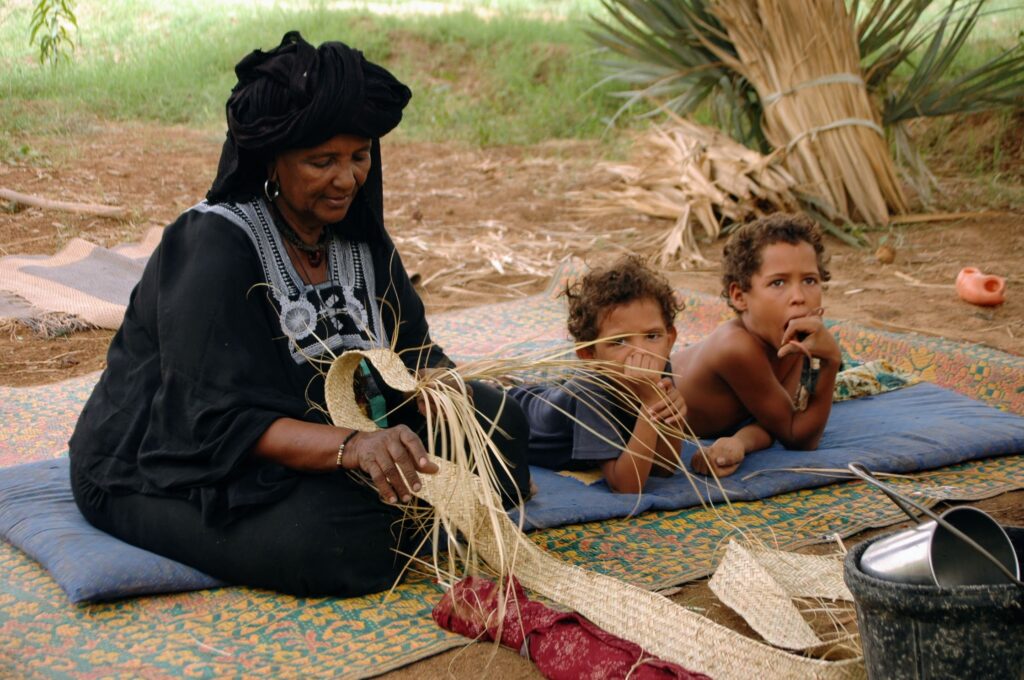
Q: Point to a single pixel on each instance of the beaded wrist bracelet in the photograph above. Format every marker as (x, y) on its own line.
(343, 444)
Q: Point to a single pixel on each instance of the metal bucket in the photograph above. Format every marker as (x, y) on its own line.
(940, 600)
(925, 632)
(963, 546)
(929, 554)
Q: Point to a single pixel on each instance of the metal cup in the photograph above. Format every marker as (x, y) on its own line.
(931, 554)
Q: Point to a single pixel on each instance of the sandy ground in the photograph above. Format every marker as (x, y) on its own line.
(480, 226)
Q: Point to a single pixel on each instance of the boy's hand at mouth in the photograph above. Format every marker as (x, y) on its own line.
(664, 402)
(670, 407)
(642, 371)
(807, 334)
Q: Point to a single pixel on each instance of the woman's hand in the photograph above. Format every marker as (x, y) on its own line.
(392, 457)
(443, 375)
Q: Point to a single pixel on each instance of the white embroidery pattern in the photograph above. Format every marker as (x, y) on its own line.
(344, 306)
(298, 319)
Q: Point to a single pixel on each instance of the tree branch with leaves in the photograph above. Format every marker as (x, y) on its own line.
(52, 27)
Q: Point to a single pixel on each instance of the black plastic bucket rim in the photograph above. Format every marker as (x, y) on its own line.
(917, 632)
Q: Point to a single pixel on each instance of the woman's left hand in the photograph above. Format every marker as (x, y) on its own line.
(444, 375)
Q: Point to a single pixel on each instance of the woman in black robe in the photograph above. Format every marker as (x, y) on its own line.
(200, 441)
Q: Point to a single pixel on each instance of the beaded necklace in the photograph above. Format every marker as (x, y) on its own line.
(314, 252)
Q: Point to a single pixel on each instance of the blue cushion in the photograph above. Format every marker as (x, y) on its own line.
(915, 428)
(39, 516)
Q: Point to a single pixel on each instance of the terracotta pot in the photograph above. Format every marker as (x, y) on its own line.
(979, 288)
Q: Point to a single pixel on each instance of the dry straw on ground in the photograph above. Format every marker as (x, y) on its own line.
(700, 178)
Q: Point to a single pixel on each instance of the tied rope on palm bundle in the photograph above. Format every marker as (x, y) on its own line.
(464, 502)
(803, 59)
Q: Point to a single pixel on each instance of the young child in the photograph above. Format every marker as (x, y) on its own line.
(769, 373)
(621, 316)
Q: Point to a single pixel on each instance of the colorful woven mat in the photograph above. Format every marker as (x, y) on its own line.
(243, 632)
(239, 632)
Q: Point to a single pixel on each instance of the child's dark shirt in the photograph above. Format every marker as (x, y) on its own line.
(576, 424)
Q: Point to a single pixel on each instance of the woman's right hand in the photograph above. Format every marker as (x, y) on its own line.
(392, 458)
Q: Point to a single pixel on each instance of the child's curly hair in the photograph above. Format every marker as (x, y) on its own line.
(741, 258)
(625, 280)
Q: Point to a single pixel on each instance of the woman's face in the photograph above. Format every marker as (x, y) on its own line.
(319, 184)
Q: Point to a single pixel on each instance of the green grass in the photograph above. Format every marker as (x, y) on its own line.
(482, 71)
(475, 78)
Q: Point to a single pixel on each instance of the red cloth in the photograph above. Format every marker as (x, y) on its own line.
(563, 645)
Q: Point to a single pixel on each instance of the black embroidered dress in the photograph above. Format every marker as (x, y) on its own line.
(222, 338)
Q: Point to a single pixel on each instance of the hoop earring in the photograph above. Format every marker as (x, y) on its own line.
(271, 189)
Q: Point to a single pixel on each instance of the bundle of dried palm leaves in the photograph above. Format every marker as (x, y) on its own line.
(786, 74)
(700, 178)
(804, 61)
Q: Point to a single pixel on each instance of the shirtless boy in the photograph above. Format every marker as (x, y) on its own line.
(622, 317)
(742, 383)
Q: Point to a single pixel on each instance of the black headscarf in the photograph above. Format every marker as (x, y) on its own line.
(297, 96)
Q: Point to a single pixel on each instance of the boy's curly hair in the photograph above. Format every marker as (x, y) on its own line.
(741, 258)
(625, 280)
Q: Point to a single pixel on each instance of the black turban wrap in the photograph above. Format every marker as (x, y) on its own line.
(297, 96)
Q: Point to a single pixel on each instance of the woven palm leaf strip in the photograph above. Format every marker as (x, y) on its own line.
(468, 506)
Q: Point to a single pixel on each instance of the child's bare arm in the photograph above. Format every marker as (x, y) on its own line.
(647, 446)
(671, 411)
(629, 472)
(724, 456)
(746, 368)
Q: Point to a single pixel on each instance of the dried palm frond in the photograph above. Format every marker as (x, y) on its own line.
(908, 53)
(463, 498)
(698, 177)
(803, 61)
